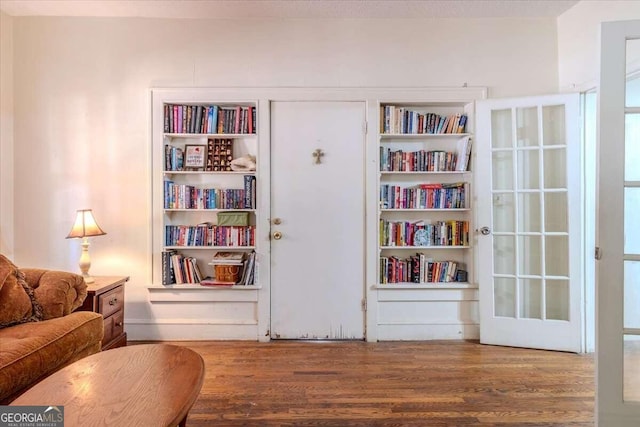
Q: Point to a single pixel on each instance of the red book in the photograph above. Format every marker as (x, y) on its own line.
(237, 124)
(250, 119)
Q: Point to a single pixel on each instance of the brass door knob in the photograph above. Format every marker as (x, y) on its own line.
(277, 235)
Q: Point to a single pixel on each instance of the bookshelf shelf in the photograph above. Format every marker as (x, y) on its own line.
(426, 210)
(209, 173)
(209, 210)
(440, 285)
(209, 248)
(209, 135)
(421, 136)
(198, 287)
(425, 173)
(423, 248)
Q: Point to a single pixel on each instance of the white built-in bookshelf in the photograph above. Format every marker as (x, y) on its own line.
(202, 205)
(426, 284)
(200, 185)
(430, 304)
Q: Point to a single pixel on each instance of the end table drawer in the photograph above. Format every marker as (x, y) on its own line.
(111, 301)
(113, 327)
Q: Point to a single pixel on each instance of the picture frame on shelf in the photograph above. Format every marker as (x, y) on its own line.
(195, 156)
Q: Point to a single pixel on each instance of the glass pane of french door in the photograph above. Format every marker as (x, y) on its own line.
(631, 341)
(631, 245)
(530, 213)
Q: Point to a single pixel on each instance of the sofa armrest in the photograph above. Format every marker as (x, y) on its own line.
(58, 292)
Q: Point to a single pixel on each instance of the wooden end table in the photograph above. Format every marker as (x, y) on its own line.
(138, 385)
(106, 296)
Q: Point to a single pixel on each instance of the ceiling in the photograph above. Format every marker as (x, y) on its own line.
(231, 9)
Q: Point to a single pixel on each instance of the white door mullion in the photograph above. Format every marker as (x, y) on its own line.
(543, 288)
(514, 186)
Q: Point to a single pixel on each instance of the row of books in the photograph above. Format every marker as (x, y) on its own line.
(179, 269)
(417, 161)
(402, 120)
(441, 233)
(181, 196)
(232, 268)
(420, 269)
(209, 235)
(209, 119)
(423, 196)
(173, 158)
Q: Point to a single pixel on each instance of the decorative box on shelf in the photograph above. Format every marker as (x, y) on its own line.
(238, 219)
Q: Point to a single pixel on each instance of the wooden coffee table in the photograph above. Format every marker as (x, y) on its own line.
(138, 385)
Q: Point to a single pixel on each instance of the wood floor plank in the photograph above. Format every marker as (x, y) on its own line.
(431, 383)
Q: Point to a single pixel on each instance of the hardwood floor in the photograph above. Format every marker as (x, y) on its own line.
(435, 383)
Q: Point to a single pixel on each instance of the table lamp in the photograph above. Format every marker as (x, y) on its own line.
(85, 227)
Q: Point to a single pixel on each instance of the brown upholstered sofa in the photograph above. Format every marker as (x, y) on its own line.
(39, 332)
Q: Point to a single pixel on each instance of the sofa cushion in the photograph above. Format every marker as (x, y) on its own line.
(32, 351)
(17, 302)
(58, 292)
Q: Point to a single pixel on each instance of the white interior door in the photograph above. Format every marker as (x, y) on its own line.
(618, 278)
(530, 225)
(317, 220)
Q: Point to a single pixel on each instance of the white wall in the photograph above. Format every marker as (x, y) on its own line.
(579, 40)
(6, 135)
(82, 109)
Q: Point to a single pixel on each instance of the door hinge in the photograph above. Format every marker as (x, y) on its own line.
(363, 304)
(365, 127)
(598, 253)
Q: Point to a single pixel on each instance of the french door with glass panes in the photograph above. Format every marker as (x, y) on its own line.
(618, 280)
(528, 168)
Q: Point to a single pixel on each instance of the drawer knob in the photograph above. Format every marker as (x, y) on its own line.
(118, 323)
(113, 301)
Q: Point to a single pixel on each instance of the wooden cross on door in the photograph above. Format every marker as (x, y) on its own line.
(318, 155)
